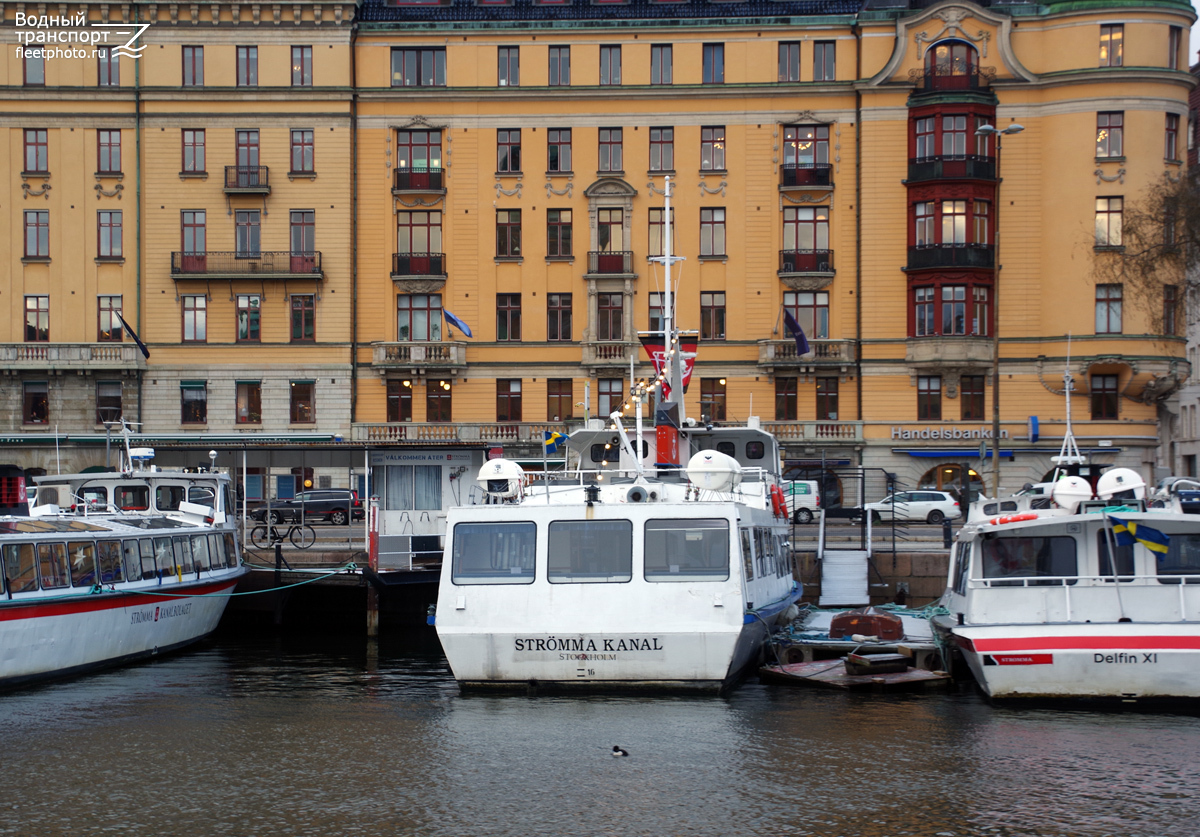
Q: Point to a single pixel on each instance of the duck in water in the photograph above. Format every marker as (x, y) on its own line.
(618, 752)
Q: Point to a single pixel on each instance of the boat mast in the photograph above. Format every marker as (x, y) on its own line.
(1069, 453)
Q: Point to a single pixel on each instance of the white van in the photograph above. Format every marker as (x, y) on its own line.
(803, 500)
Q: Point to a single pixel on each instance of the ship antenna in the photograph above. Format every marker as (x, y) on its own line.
(673, 362)
(1069, 453)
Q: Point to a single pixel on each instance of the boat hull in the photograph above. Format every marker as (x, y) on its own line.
(67, 635)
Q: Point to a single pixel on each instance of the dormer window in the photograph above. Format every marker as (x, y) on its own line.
(952, 65)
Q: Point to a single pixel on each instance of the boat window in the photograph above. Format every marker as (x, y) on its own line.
(200, 551)
(747, 555)
(164, 556)
(215, 554)
(784, 554)
(20, 567)
(202, 495)
(94, 497)
(1182, 559)
(1124, 557)
(727, 448)
(52, 563)
(147, 568)
(168, 497)
(183, 554)
(493, 553)
(109, 554)
(1009, 557)
(586, 551)
(231, 554)
(228, 499)
(83, 563)
(687, 550)
(133, 497)
(962, 557)
(763, 550)
(133, 561)
(599, 453)
(755, 450)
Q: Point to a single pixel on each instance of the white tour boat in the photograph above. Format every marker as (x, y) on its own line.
(85, 592)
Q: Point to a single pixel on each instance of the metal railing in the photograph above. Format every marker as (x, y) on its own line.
(418, 179)
(418, 264)
(609, 262)
(254, 178)
(806, 174)
(448, 355)
(233, 263)
(409, 431)
(952, 166)
(805, 261)
(951, 255)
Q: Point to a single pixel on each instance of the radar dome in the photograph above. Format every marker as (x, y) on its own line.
(1121, 484)
(714, 471)
(1069, 492)
(501, 478)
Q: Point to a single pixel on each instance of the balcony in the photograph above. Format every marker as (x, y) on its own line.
(416, 356)
(529, 433)
(73, 357)
(946, 78)
(610, 263)
(233, 265)
(806, 175)
(419, 273)
(847, 432)
(962, 167)
(607, 353)
(951, 255)
(423, 180)
(951, 351)
(247, 180)
(780, 355)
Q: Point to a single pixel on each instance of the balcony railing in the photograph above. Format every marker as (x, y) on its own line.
(76, 356)
(249, 179)
(958, 166)
(773, 353)
(419, 355)
(609, 263)
(232, 264)
(814, 431)
(951, 255)
(421, 179)
(532, 433)
(609, 353)
(806, 174)
(805, 261)
(944, 77)
(418, 264)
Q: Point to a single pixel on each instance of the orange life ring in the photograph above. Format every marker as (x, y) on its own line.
(778, 504)
(1012, 518)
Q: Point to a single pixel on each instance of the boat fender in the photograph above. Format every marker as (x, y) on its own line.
(778, 504)
(1012, 518)
(637, 494)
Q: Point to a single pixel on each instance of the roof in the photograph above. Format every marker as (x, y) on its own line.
(457, 11)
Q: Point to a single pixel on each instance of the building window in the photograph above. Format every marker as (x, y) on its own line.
(302, 71)
(954, 222)
(1171, 150)
(37, 151)
(712, 399)
(1112, 36)
(418, 233)
(418, 150)
(610, 150)
(108, 401)
(662, 149)
(655, 299)
(437, 401)
(37, 233)
(806, 229)
(1104, 397)
(827, 399)
(1174, 39)
(193, 66)
(610, 65)
(785, 399)
(508, 150)
(713, 71)
(302, 151)
(36, 403)
(712, 232)
(712, 149)
(508, 71)
(304, 241)
(558, 317)
(195, 319)
(108, 152)
(610, 325)
(249, 318)
(923, 213)
(789, 61)
(558, 233)
(37, 319)
(954, 310)
(508, 400)
(558, 399)
(1110, 134)
(247, 157)
(508, 318)
(610, 392)
(108, 230)
(1170, 309)
(923, 304)
(508, 233)
(303, 402)
(35, 67)
(247, 66)
(954, 137)
(806, 146)
(1109, 221)
(656, 219)
(558, 151)
(660, 64)
(810, 310)
(971, 397)
(304, 318)
(981, 316)
(399, 400)
(109, 68)
(109, 328)
(192, 228)
(249, 233)
(712, 316)
(824, 55)
(929, 398)
(419, 67)
(560, 66)
(193, 151)
(981, 222)
(926, 137)
(419, 317)
(1108, 309)
(193, 397)
(249, 402)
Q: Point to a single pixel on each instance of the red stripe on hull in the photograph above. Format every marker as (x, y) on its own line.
(105, 601)
(1067, 643)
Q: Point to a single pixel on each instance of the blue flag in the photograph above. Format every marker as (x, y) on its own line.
(133, 334)
(793, 328)
(1128, 532)
(457, 323)
(552, 441)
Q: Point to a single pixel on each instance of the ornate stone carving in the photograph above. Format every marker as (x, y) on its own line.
(952, 19)
(29, 193)
(500, 190)
(1102, 177)
(550, 190)
(115, 193)
(719, 190)
(420, 202)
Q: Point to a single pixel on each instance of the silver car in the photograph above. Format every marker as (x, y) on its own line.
(930, 506)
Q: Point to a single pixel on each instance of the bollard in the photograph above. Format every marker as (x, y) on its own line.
(373, 564)
(946, 533)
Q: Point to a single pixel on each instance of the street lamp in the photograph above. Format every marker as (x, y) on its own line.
(987, 131)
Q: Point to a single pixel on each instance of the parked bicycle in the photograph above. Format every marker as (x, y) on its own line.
(301, 536)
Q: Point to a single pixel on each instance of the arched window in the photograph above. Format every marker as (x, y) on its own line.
(948, 477)
(952, 65)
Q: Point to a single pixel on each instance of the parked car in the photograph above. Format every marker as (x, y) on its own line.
(930, 506)
(803, 500)
(1189, 501)
(336, 505)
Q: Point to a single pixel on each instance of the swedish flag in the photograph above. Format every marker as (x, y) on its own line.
(1128, 532)
(552, 441)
